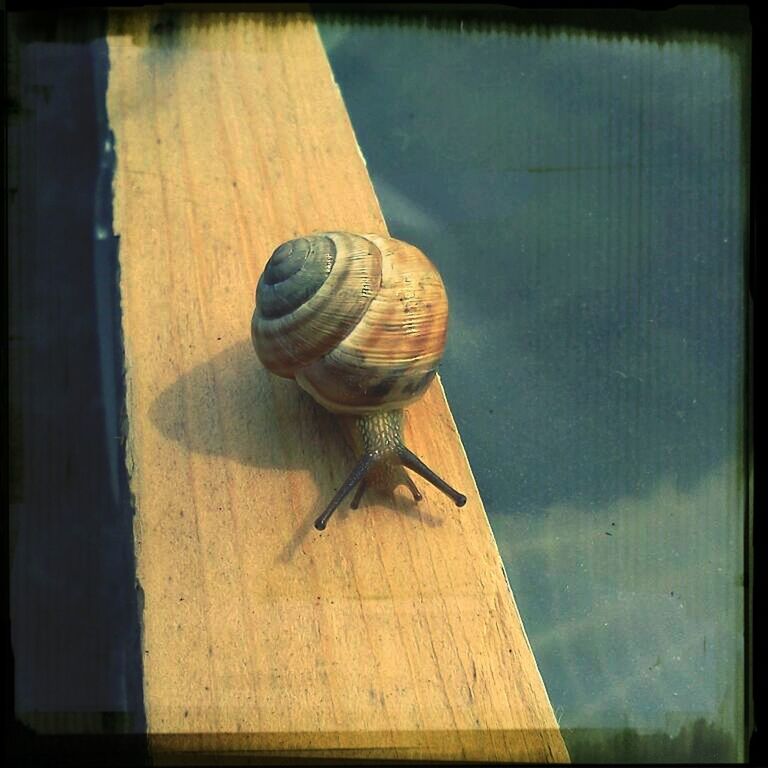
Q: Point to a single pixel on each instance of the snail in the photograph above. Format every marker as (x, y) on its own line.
(360, 323)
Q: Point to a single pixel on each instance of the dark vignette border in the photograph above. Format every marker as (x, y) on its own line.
(87, 28)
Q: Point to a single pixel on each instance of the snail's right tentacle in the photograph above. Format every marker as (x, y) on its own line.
(412, 461)
(412, 487)
(357, 474)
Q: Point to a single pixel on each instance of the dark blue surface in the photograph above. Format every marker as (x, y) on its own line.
(74, 614)
(584, 199)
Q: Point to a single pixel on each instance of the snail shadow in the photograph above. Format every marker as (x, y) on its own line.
(219, 408)
(401, 504)
(230, 406)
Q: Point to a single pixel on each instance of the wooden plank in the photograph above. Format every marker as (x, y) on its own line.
(393, 633)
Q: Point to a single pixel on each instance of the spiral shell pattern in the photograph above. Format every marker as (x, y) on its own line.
(359, 321)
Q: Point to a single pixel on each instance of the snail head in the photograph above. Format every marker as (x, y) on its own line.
(383, 448)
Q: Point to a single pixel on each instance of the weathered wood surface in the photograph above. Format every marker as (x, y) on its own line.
(393, 633)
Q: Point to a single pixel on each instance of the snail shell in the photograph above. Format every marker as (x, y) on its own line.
(359, 321)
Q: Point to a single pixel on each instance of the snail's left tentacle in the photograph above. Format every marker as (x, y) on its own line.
(412, 461)
(358, 495)
(357, 474)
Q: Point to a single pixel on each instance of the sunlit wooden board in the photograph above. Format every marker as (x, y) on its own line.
(393, 633)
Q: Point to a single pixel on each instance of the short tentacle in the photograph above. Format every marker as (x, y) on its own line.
(358, 495)
(414, 490)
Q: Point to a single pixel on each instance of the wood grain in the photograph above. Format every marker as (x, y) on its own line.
(392, 634)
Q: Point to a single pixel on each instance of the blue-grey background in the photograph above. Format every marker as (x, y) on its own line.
(584, 197)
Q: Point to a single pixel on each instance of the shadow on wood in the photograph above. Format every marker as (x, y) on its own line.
(222, 408)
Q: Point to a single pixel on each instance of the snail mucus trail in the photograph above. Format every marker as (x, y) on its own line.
(360, 323)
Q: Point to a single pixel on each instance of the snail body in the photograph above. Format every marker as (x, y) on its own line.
(360, 322)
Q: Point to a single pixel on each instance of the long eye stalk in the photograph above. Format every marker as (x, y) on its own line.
(412, 461)
(358, 473)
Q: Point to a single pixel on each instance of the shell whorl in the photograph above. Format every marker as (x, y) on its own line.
(312, 293)
(359, 321)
